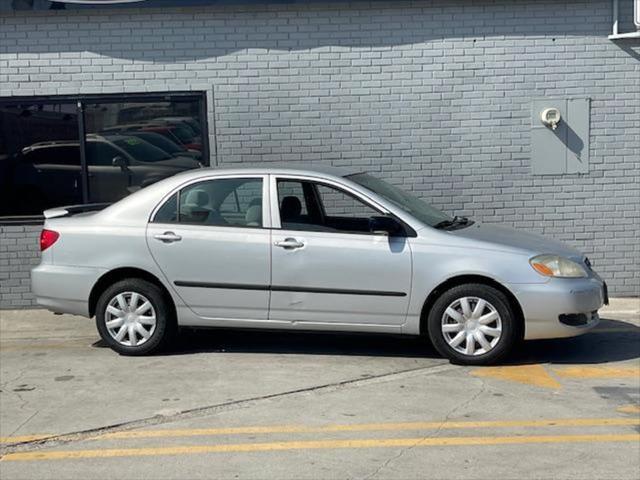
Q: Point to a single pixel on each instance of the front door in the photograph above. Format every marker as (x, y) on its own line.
(209, 241)
(327, 267)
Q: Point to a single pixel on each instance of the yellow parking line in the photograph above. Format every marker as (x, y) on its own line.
(361, 427)
(22, 438)
(534, 375)
(318, 444)
(578, 422)
(629, 409)
(598, 372)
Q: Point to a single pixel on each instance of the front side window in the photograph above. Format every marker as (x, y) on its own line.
(404, 200)
(225, 202)
(313, 206)
(100, 153)
(338, 205)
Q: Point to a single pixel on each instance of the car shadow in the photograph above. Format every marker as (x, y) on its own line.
(299, 343)
(611, 341)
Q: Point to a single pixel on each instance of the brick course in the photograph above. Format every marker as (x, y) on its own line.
(433, 95)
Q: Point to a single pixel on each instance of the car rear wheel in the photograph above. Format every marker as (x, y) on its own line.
(133, 317)
(472, 324)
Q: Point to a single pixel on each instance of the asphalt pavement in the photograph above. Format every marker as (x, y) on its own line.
(251, 404)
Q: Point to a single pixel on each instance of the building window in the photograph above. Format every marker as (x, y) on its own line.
(72, 150)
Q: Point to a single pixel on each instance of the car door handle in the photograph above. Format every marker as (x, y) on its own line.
(168, 237)
(289, 243)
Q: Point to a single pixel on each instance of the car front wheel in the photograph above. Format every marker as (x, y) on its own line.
(133, 317)
(472, 324)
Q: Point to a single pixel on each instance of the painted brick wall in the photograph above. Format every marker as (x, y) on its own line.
(19, 251)
(434, 95)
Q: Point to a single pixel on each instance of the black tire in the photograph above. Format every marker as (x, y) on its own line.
(498, 300)
(165, 321)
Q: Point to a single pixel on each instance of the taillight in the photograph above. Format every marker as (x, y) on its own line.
(48, 238)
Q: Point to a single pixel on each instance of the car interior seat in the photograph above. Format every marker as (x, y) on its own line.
(196, 207)
(253, 217)
(290, 210)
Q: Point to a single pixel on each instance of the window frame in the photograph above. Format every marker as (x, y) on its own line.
(80, 100)
(266, 216)
(275, 207)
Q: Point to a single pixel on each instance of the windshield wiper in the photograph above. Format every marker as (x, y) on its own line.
(455, 222)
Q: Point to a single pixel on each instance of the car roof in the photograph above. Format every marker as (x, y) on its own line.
(275, 168)
(139, 204)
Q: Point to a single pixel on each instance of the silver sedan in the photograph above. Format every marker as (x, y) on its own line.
(301, 249)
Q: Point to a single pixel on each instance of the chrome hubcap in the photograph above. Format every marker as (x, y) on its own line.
(130, 318)
(471, 325)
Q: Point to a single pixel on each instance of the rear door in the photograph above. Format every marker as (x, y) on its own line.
(208, 239)
(327, 267)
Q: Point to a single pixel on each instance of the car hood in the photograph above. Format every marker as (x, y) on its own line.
(506, 238)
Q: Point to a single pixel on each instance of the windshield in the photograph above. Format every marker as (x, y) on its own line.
(141, 150)
(183, 134)
(404, 200)
(159, 141)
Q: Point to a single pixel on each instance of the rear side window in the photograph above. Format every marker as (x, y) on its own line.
(228, 202)
(54, 155)
(242, 198)
(168, 213)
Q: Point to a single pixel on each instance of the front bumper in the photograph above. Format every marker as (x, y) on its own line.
(64, 289)
(544, 304)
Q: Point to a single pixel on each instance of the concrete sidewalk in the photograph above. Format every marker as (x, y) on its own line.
(628, 305)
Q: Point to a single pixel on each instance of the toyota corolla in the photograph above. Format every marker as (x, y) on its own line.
(318, 249)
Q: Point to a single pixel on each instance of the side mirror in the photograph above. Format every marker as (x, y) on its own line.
(385, 225)
(121, 162)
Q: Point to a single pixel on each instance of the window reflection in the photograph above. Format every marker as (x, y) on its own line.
(21, 5)
(39, 158)
(133, 144)
(128, 145)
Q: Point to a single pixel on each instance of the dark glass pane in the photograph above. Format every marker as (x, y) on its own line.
(344, 212)
(133, 144)
(168, 213)
(39, 158)
(23, 5)
(316, 207)
(292, 188)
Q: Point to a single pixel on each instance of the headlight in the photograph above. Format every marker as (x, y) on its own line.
(556, 266)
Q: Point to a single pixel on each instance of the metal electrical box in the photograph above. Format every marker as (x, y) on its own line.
(561, 146)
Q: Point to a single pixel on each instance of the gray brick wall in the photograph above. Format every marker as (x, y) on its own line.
(19, 252)
(434, 95)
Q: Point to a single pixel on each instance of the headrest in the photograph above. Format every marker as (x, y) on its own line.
(198, 198)
(290, 208)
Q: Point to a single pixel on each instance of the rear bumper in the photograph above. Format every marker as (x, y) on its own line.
(64, 289)
(544, 304)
